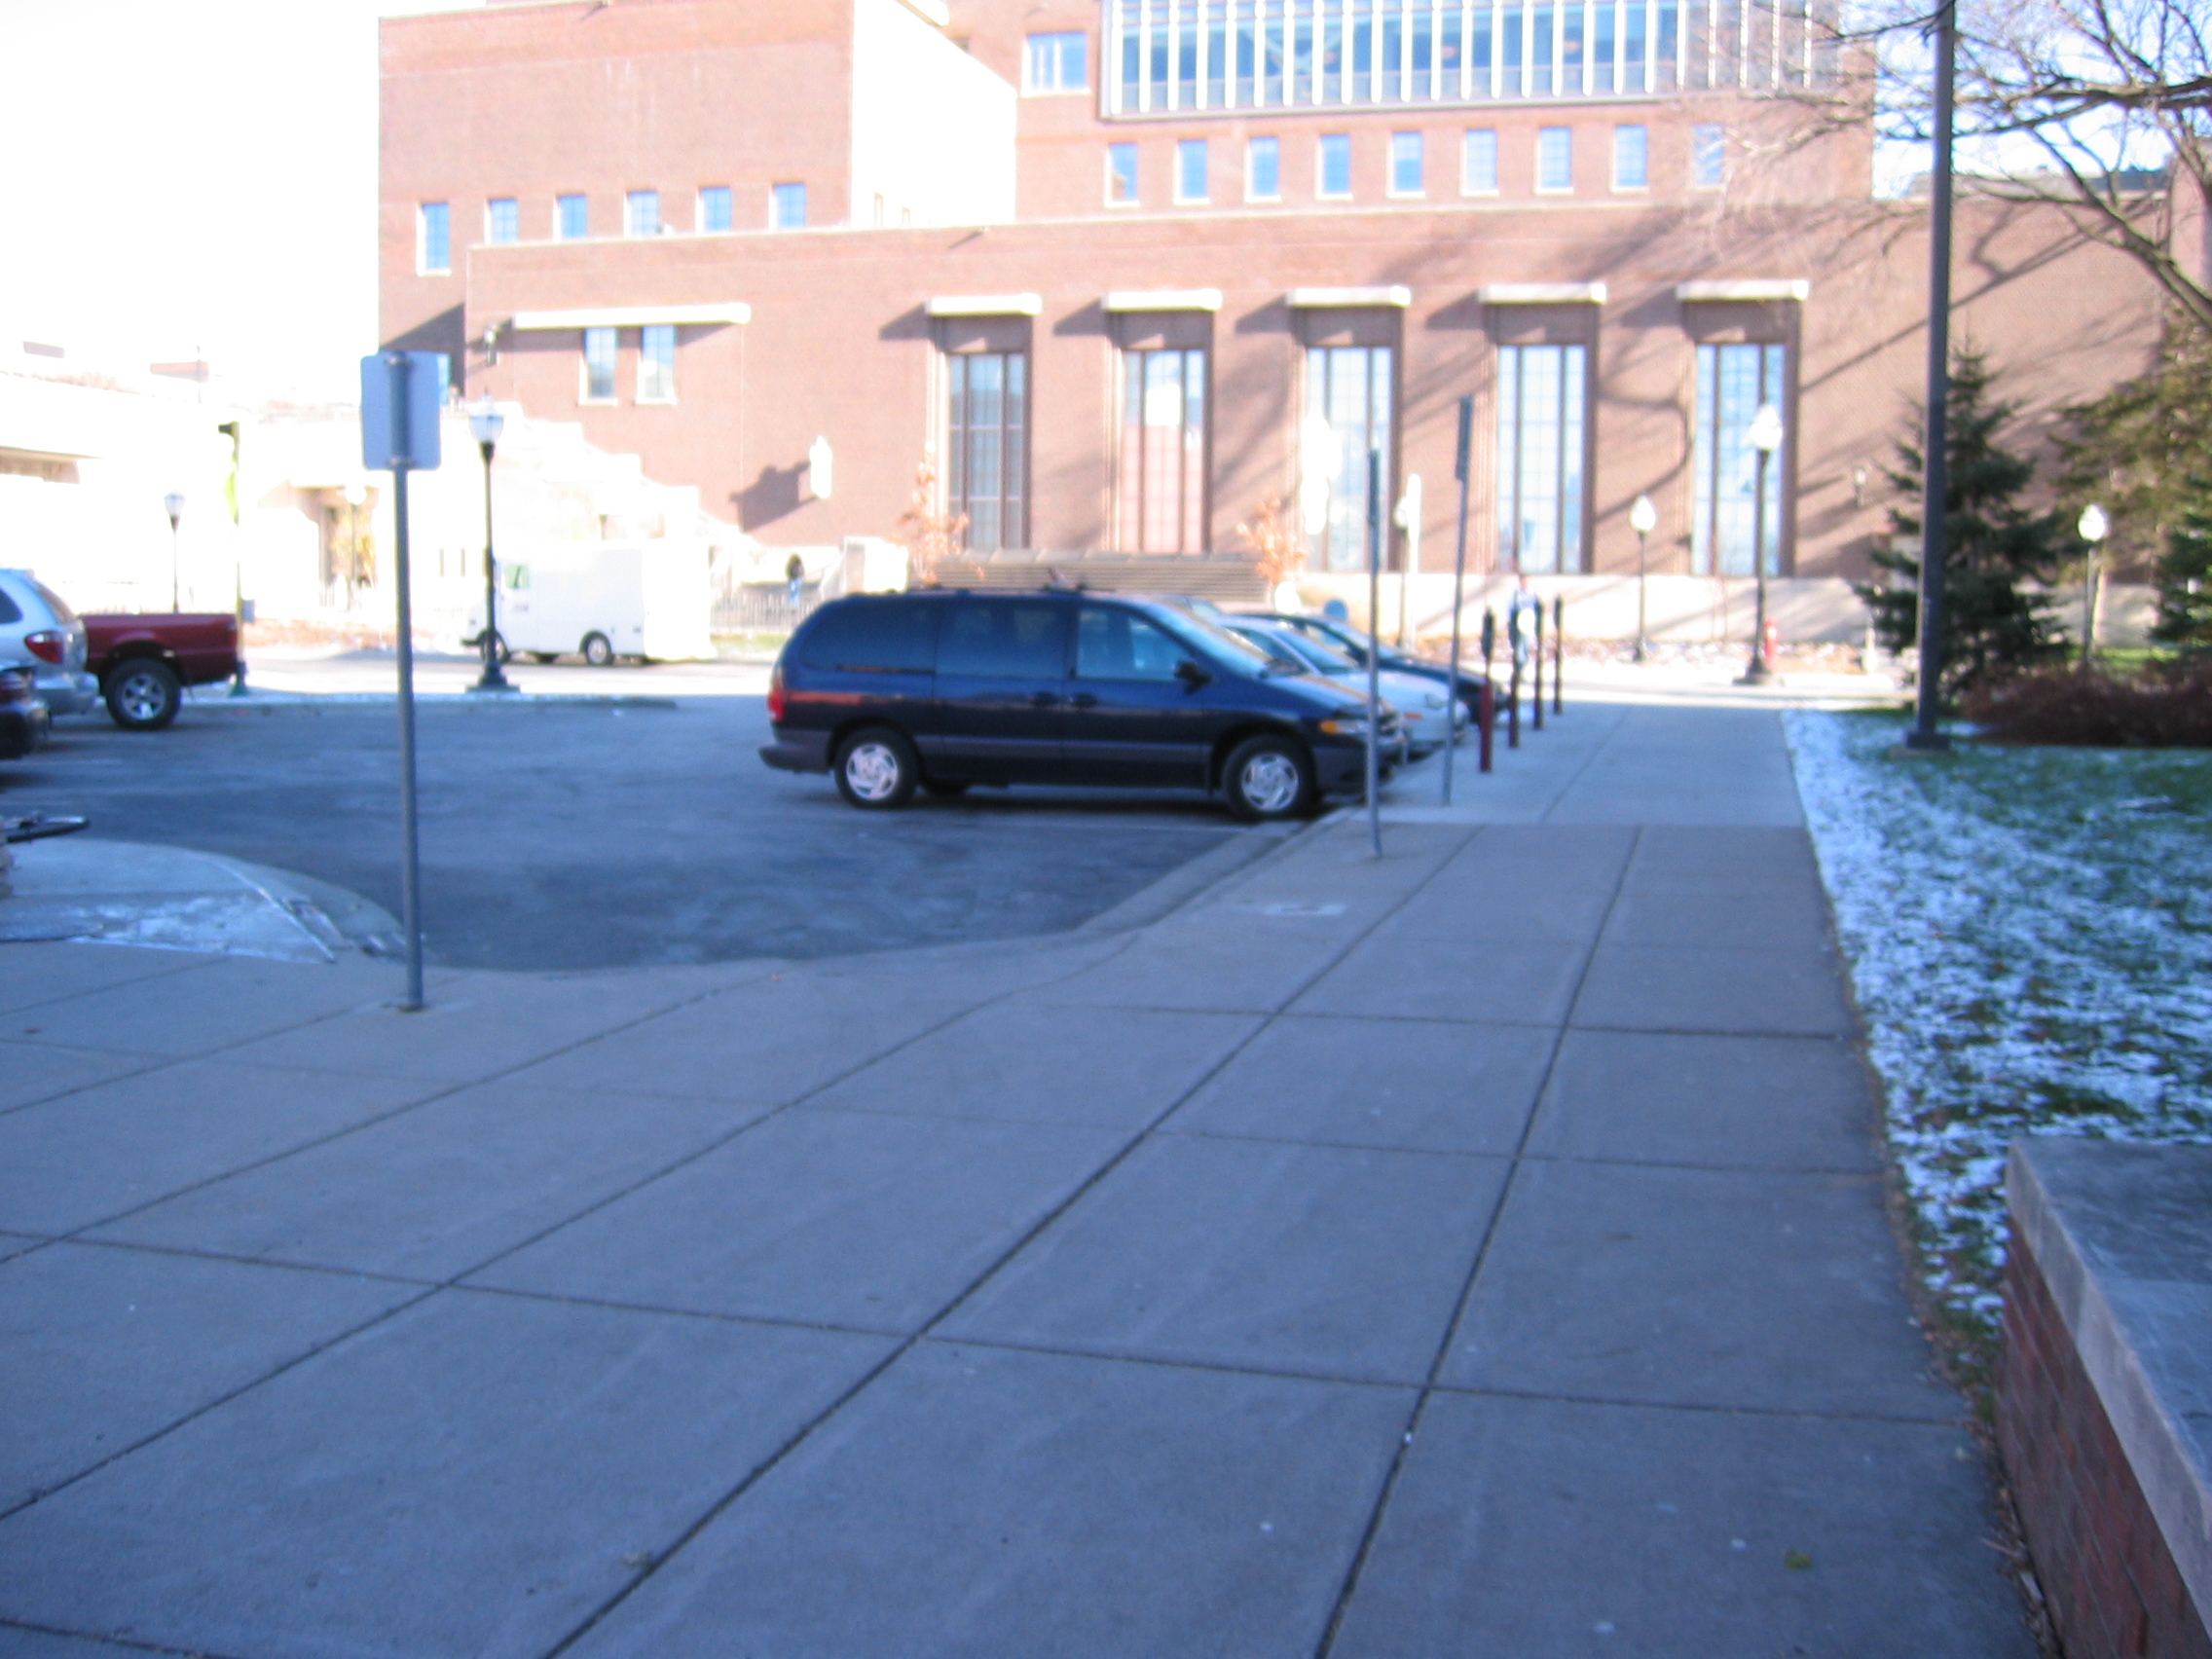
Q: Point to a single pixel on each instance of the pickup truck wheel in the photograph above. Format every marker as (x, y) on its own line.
(598, 650)
(145, 695)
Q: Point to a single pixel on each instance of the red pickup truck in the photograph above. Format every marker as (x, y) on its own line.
(143, 663)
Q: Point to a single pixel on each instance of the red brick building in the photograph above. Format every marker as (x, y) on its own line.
(1126, 267)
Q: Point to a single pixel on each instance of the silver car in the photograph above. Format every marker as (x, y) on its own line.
(37, 627)
(1419, 703)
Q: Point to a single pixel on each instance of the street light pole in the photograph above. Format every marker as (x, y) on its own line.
(175, 503)
(1766, 437)
(1926, 737)
(486, 422)
(1643, 519)
(2092, 526)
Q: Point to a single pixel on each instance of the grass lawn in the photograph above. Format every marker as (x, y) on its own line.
(2030, 937)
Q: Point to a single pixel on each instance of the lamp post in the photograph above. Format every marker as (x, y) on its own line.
(486, 421)
(1643, 519)
(175, 503)
(1765, 437)
(2093, 526)
(356, 495)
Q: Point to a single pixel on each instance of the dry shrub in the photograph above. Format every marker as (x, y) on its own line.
(1270, 534)
(2172, 709)
(932, 532)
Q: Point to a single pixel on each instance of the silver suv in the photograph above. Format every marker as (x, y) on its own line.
(39, 631)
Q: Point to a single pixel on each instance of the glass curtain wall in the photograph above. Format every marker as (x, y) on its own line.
(987, 441)
(1185, 54)
(1540, 446)
(1348, 414)
(1162, 482)
(1732, 381)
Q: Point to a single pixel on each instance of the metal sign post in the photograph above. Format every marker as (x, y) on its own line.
(1458, 587)
(1375, 649)
(401, 395)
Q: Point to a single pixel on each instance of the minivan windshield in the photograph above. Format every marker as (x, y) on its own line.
(1309, 653)
(1209, 640)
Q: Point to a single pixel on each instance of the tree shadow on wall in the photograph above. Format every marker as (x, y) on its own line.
(776, 493)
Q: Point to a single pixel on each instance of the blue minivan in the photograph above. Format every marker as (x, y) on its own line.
(940, 690)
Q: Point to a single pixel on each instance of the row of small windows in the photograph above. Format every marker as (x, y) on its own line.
(657, 364)
(713, 212)
(1408, 164)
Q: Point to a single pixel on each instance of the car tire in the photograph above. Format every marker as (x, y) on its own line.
(543, 658)
(877, 769)
(1268, 779)
(946, 789)
(143, 694)
(598, 650)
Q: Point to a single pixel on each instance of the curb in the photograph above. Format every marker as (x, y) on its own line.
(314, 703)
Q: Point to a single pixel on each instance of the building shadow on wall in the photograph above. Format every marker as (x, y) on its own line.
(447, 332)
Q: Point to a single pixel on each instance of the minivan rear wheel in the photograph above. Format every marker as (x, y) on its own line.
(1268, 778)
(876, 769)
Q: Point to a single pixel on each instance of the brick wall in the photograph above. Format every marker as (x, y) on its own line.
(2111, 1584)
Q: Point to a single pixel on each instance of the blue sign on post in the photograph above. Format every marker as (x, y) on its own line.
(402, 393)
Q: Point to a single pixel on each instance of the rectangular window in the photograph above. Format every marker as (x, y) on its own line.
(1122, 176)
(656, 363)
(1733, 513)
(1162, 484)
(1348, 414)
(640, 213)
(1335, 166)
(715, 210)
(1190, 169)
(1263, 170)
(598, 365)
(1555, 158)
(789, 208)
(1058, 62)
(1709, 156)
(433, 238)
(1478, 163)
(1632, 157)
(572, 218)
(503, 220)
(1405, 164)
(1541, 438)
(987, 432)
(1601, 49)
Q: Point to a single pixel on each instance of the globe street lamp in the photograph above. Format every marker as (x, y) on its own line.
(1643, 519)
(1765, 436)
(484, 422)
(2094, 526)
(175, 503)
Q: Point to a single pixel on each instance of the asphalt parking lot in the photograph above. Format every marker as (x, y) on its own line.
(601, 837)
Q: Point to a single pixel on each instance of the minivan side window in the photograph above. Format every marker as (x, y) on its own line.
(1114, 645)
(9, 610)
(881, 636)
(1002, 638)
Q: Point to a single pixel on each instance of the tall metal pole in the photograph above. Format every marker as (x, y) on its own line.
(1758, 671)
(1375, 649)
(1642, 545)
(1459, 470)
(1925, 736)
(411, 867)
(492, 680)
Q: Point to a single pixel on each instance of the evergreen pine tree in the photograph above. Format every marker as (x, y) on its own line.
(1993, 623)
(2184, 583)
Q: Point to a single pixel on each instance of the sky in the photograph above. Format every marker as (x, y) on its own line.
(188, 178)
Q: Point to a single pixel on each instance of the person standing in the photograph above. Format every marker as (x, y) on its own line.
(795, 577)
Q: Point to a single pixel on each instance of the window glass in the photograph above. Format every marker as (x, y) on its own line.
(54, 601)
(503, 220)
(1004, 639)
(1262, 171)
(1632, 157)
(1191, 171)
(1057, 62)
(9, 610)
(988, 427)
(1540, 438)
(574, 218)
(1162, 482)
(1348, 414)
(598, 364)
(1336, 165)
(790, 207)
(1709, 156)
(1122, 174)
(435, 249)
(656, 363)
(1555, 158)
(1405, 164)
(1117, 645)
(1478, 163)
(887, 636)
(1731, 510)
(643, 212)
(715, 212)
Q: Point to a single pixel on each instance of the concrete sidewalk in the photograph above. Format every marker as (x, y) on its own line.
(1481, 1250)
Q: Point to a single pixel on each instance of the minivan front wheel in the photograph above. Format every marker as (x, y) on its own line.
(1268, 778)
(876, 769)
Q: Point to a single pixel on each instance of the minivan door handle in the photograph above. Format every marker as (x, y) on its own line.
(1084, 700)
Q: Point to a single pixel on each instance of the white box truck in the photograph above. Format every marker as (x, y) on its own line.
(653, 601)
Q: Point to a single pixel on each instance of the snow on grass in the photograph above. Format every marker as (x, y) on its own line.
(2030, 938)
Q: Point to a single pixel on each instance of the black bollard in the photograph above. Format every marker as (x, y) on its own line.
(1487, 719)
(1536, 666)
(1559, 657)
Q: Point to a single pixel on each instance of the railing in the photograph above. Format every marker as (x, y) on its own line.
(762, 608)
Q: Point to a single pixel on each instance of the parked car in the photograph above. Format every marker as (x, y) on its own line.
(24, 718)
(1345, 637)
(894, 692)
(1422, 704)
(41, 634)
(145, 662)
